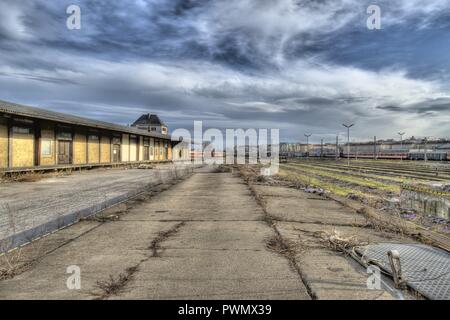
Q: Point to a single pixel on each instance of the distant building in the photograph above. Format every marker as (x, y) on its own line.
(150, 123)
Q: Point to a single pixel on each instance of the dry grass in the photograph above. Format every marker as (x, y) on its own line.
(335, 241)
(385, 224)
(279, 245)
(102, 219)
(223, 168)
(11, 261)
(15, 267)
(163, 235)
(114, 285)
(31, 176)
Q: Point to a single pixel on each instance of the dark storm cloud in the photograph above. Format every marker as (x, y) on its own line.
(426, 107)
(295, 65)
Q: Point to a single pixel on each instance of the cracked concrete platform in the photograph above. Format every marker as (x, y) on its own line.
(329, 274)
(219, 253)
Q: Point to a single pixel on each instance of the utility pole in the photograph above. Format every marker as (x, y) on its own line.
(375, 148)
(321, 148)
(401, 143)
(348, 126)
(337, 147)
(307, 144)
(425, 151)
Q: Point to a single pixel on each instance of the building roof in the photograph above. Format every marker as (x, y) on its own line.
(148, 119)
(32, 112)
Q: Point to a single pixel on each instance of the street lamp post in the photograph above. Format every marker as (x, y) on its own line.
(337, 147)
(401, 144)
(348, 126)
(321, 148)
(307, 144)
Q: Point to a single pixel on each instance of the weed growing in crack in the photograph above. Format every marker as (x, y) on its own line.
(115, 285)
(12, 259)
(163, 235)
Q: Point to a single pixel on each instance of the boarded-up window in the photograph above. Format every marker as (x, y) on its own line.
(46, 148)
(22, 146)
(64, 136)
(21, 130)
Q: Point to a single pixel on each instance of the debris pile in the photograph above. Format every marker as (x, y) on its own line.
(338, 242)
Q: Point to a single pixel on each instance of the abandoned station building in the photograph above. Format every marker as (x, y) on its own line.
(36, 138)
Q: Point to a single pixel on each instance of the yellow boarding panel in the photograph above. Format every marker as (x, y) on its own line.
(169, 152)
(93, 149)
(125, 151)
(3, 145)
(79, 148)
(133, 148)
(105, 150)
(22, 147)
(141, 148)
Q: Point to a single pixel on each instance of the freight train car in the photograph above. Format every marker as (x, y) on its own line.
(395, 155)
(431, 155)
(435, 155)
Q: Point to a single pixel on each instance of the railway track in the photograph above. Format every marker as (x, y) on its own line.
(442, 168)
(412, 174)
(368, 186)
(345, 171)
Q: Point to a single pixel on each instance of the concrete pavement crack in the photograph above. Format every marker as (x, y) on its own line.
(280, 243)
(114, 285)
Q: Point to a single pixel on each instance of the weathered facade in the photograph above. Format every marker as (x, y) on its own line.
(38, 138)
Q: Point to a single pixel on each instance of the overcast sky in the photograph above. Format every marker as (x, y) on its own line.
(303, 66)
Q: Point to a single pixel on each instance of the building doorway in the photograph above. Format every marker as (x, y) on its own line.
(116, 153)
(146, 147)
(64, 152)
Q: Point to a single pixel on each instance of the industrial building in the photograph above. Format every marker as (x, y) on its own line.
(33, 138)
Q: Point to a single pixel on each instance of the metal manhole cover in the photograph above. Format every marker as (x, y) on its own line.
(425, 269)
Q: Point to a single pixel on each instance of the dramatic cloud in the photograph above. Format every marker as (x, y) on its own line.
(297, 65)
